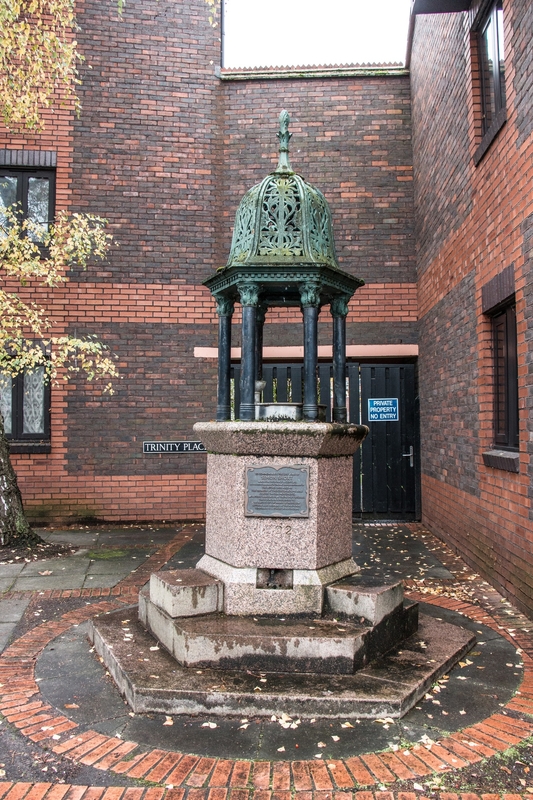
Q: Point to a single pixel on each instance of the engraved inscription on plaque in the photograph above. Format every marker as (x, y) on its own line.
(281, 492)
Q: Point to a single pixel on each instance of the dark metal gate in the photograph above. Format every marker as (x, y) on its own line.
(386, 467)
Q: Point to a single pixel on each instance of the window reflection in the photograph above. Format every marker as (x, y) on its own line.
(6, 402)
(38, 206)
(8, 197)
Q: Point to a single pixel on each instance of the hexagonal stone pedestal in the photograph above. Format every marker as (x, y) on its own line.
(278, 501)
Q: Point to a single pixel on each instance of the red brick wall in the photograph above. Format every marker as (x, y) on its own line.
(471, 223)
(164, 149)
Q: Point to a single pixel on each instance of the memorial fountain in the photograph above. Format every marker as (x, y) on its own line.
(277, 592)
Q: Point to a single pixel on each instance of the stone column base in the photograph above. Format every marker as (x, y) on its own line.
(302, 592)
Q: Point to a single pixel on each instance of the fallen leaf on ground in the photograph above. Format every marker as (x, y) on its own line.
(168, 721)
(71, 705)
(46, 572)
(209, 724)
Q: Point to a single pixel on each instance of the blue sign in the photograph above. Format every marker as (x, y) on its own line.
(384, 409)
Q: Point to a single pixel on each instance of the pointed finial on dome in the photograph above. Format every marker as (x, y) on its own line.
(284, 136)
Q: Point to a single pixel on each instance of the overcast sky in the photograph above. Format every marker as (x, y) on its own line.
(263, 33)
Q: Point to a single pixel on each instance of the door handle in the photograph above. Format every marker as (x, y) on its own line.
(410, 455)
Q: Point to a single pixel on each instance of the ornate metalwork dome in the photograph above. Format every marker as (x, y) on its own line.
(282, 254)
(283, 220)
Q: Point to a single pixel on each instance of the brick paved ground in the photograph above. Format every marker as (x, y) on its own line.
(169, 775)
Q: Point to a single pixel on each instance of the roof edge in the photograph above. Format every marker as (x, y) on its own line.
(430, 7)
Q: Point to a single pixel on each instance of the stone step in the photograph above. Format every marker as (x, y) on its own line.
(186, 592)
(364, 599)
(273, 644)
(388, 687)
(262, 644)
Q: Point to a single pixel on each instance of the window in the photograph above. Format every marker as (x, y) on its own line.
(25, 409)
(505, 379)
(25, 400)
(33, 193)
(492, 69)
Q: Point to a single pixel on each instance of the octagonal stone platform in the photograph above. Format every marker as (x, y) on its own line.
(152, 680)
(268, 643)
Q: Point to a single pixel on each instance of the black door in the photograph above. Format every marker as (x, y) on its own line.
(386, 467)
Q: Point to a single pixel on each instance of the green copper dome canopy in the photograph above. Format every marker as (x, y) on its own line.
(283, 220)
(282, 254)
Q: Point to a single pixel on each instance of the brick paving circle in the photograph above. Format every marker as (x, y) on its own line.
(363, 776)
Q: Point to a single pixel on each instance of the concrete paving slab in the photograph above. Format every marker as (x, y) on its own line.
(135, 536)
(7, 583)
(12, 610)
(392, 551)
(10, 570)
(306, 741)
(57, 566)
(125, 563)
(6, 632)
(482, 631)
(187, 557)
(195, 735)
(75, 538)
(73, 680)
(115, 726)
(40, 582)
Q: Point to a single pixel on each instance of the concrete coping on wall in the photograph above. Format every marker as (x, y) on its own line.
(275, 73)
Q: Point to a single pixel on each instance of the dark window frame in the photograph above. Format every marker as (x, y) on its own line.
(23, 175)
(20, 442)
(491, 61)
(505, 360)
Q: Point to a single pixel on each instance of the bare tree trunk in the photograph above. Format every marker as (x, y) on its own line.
(14, 528)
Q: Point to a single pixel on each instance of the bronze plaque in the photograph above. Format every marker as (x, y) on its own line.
(277, 492)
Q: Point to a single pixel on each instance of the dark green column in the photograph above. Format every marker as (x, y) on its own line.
(225, 312)
(310, 297)
(249, 295)
(259, 325)
(339, 311)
